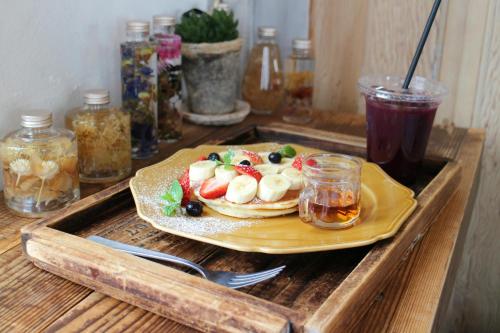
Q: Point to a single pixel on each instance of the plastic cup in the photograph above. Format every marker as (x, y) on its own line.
(399, 122)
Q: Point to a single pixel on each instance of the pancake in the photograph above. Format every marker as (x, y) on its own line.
(255, 208)
(290, 200)
(251, 213)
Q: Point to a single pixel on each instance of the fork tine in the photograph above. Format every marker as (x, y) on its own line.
(258, 274)
(264, 276)
(241, 284)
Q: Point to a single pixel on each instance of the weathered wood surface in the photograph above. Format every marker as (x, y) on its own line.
(423, 283)
(110, 314)
(220, 308)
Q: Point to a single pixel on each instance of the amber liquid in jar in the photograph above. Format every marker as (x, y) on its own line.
(340, 208)
(263, 82)
(331, 197)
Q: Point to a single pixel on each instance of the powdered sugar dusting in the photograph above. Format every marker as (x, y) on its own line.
(148, 194)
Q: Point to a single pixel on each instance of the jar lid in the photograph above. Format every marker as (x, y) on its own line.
(96, 97)
(266, 31)
(138, 26)
(36, 119)
(301, 44)
(165, 21)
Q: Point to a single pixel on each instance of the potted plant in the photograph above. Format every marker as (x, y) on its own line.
(211, 59)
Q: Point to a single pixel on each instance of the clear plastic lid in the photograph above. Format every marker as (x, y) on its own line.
(390, 88)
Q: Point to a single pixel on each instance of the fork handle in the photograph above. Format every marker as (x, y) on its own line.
(145, 253)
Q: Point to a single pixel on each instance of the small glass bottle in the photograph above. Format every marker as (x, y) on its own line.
(40, 167)
(168, 48)
(103, 137)
(139, 96)
(263, 81)
(299, 81)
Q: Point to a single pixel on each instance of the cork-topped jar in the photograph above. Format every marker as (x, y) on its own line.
(39, 167)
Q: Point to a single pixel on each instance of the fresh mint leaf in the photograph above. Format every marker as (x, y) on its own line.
(228, 157)
(287, 151)
(176, 191)
(168, 197)
(173, 197)
(169, 210)
(228, 167)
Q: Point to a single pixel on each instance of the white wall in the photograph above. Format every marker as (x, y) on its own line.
(51, 50)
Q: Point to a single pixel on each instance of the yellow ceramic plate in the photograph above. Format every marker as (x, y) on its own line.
(385, 205)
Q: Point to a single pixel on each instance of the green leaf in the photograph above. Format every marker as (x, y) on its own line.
(228, 167)
(228, 157)
(197, 26)
(287, 151)
(176, 191)
(168, 197)
(169, 210)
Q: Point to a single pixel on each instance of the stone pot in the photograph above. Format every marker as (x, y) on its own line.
(211, 73)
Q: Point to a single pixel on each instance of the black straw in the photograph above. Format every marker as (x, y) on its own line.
(421, 44)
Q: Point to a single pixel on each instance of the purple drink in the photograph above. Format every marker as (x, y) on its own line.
(399, 122)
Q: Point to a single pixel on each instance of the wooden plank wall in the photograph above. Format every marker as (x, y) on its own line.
(358, 37)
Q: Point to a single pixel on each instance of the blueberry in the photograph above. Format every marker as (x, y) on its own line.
(194, 208)
(275, 158)
(245, 162)
(214, 157)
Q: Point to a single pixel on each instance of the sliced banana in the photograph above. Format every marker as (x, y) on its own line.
(294, 176)
(273, 187)
(201, 170)
(225, 175)
(264, 157)
(267, 169)
(238, 158)
(241, 189)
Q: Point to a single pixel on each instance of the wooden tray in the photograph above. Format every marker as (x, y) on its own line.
(317, 292)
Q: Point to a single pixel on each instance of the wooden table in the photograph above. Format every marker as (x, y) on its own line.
(414, 301)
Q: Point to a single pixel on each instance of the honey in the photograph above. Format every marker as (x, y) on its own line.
(331, 197)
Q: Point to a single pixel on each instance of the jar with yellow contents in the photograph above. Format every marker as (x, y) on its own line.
(103, 136)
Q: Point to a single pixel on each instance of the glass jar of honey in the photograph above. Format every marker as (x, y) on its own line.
(332, 192)
(40, 167)
(263, 81)
(103, 136)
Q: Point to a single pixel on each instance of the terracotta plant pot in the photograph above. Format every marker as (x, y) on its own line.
(211, 72)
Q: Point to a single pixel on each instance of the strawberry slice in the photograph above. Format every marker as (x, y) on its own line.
(248, 170)
(297, 162)
(253, 156)
(186, 189)
(312, 162)
(213, 188)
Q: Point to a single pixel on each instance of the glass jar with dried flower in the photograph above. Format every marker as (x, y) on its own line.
(103, 136)
(39, 167)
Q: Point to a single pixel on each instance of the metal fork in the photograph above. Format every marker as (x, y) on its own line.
(228, 279)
